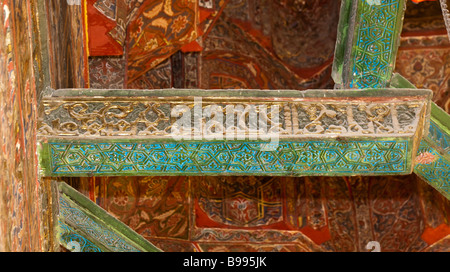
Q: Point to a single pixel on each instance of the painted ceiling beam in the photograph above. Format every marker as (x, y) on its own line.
(84, 132)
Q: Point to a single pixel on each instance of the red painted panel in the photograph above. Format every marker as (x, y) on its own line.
(99, 26)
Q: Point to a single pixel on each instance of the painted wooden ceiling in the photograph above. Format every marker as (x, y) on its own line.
(250, 44)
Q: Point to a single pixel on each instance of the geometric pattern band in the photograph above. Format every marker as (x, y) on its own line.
(376, 42)
(289, 158)
(369, 35)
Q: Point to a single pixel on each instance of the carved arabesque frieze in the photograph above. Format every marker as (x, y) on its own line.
(160, 118)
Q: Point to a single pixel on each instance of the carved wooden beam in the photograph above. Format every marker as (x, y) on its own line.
(433, 159)
(85, 227)
(231, 132)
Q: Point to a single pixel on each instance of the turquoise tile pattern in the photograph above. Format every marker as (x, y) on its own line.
(232, 158)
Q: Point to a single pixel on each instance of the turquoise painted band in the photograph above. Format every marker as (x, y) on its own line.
(355, 157)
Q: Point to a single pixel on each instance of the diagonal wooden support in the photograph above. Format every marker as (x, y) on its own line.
(368, 39)
(433, 159)
(83, 226)
(369, 33)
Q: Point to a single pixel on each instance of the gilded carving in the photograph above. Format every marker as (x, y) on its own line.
(125, 117)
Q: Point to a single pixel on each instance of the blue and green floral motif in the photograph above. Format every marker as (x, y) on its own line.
(234, 157)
